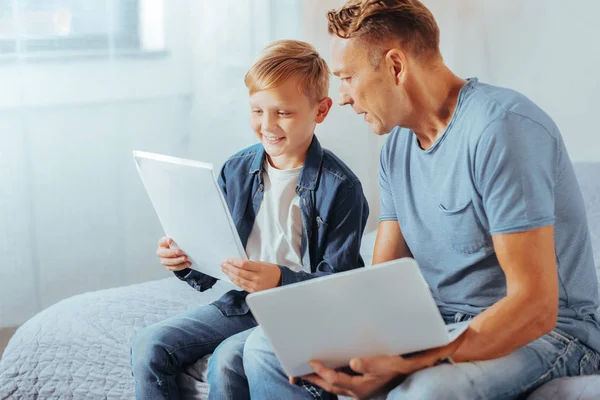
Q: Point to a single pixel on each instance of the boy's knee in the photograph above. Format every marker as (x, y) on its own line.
(147, 348)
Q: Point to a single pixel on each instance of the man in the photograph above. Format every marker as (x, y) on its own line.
(478, 187)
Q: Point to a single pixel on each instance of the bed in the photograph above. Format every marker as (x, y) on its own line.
(79, 347)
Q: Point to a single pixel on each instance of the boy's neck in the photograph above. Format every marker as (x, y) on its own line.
(284, 162)
(291, 161)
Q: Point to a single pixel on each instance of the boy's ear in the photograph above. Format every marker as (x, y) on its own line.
(324, 107)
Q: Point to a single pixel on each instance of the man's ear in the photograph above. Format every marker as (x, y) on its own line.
(324, 107)
(395, 60)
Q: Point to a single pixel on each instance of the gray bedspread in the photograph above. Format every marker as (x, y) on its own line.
(79, 347)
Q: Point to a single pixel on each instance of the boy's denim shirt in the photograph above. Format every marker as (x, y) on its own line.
(334, 215)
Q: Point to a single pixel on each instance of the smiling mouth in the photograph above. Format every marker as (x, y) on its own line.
(273, 139)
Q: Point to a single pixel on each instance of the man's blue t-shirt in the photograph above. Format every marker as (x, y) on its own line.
(501, 166)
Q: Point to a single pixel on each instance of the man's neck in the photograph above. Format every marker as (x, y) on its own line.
(434, 104)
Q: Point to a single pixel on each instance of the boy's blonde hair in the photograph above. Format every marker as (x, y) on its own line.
(290, 59)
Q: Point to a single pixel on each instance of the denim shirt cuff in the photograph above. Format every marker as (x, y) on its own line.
(183, 274)
(287, 276)
(195, 279)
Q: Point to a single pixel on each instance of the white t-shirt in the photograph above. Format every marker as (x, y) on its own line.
(276, 236)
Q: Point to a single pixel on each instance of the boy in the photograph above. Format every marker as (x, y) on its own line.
(300, 213)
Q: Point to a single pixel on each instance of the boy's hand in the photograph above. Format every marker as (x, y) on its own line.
(252, 276)
(172, 259)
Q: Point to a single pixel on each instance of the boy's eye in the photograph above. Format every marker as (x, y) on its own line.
(284, 114)
(256, 111)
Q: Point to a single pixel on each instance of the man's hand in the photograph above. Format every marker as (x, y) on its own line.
(386, 365)
(376, 372)
(252, 276)
(172, 259)
(357, 387)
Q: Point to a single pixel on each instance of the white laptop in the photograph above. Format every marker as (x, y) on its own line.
(380, 310)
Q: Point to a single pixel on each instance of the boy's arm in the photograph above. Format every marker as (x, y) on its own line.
(344, 234)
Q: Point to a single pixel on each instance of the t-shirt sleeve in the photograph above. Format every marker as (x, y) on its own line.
(388, 210)
(515, 171)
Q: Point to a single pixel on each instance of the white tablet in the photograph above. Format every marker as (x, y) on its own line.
(191, 210)
(380, 310)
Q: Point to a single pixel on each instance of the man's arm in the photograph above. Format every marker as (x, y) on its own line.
(528, 311)
(390, 243)
(530, 308)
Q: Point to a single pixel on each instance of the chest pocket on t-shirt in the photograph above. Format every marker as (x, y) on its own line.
(461, 227)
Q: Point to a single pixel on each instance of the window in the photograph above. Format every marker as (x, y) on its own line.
(50, 26)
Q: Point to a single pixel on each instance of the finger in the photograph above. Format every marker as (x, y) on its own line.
(383, 365)
(173, 261)
(292, 380)
(169, 253)
(331, 375)
(179, 267)
(165, 242)
(236, 262)
(243, 283)
(248, 265)
(247, 275)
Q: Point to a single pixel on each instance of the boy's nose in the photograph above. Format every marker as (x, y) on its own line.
(268, 125)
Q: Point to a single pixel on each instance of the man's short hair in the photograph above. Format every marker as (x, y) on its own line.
(378, 22)
(290, 59)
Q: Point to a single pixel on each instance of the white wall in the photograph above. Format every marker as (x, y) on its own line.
(73, 214)
(228, 35)
(546, 49)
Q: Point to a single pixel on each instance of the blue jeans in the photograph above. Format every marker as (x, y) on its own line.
(159, 352)
(266, 379)
(551, 356)
(227, 370)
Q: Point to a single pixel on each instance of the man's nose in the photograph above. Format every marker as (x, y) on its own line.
(344, 99)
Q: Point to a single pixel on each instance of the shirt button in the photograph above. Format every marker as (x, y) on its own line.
(304, 202)
(261, 188)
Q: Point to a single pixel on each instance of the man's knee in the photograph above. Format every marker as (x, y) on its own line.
(257, 343)
(226, 356)
(257, 350)
(444, 382)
